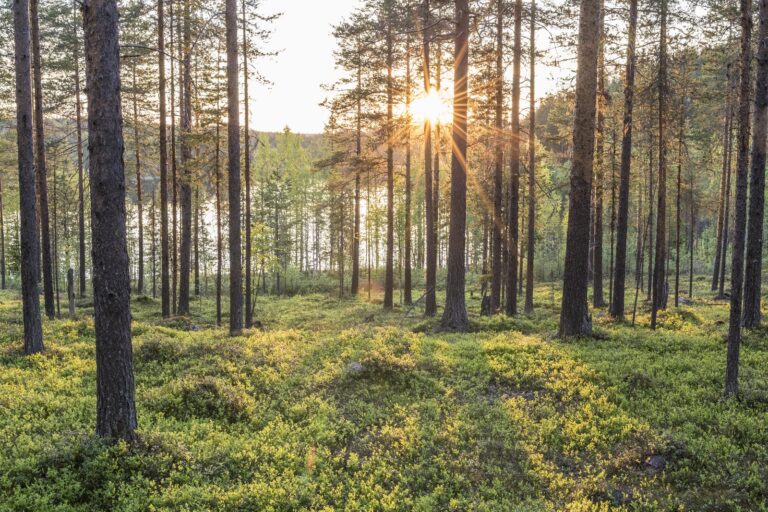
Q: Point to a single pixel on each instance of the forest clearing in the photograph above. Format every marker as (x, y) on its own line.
(337, 405)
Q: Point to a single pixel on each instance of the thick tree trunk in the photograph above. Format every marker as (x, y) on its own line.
(531, 168)
(498, 170)
(455, 314)
(233, 127)
(660, 260)
(574, 315)
(513, 226)
(430, 301)
(185, 185)
(740, 203)
(30, 293)
(165, 298)
(116, 409)
(753, 270)
(40, 167)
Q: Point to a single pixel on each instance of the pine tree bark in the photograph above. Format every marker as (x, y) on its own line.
(165, 296)
(40, 167)
(30, 293)
(407, 284)
(513, 221)
(389, 276)
(247, 172)
(660, 259)
(574, 314)
(622, 219)
(116, 409)
(80, 167)
(531, 168)
(233, 165)
(740, 204)
(2, 238)
(597, 246)
(754, 261)
(185, 184)
(137, 156)
(355, 280)
(455, 313)
(430, 301)
(498, 170)
(726, 162)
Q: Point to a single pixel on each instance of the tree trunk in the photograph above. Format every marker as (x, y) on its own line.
(681, 142)
(660, 260)
(233, 165)
(153, 250)
(622, 220)
(430, 302)
(407, 285)
(740, 203)
(116, 409)
(531, 168)
(726, 210)
(80, 180)
(574, 315)
(173, 253)
(498, 171)
(753, 270)
(598, 300)
(247, 171)
(219, 241)
(455, 314)
(164, 249)
(513, 241)
(71, 292)
(30, 292)
(721, 215)
(185, 188)
(2, 238)
(42, 181)
(137, 154)
(389, 277)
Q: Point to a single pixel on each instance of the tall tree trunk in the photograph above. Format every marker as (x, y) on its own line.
(219, 241)
(247, 171)
(174, 171)
(574, 314)
(531, 168)
(139, 210)
(80, 180)
(455, 314)
(597, 246)
(42, 181)
(622, 220)
(407, 284)
(740, 203)
(185, 185)
(681, 142)
(430, 302)
(2, 238)
(498, 171)
(355, 284)
(30, 292)
(513, 221)
(165, 298)
(115, 406)
(753, 270)
(721, 215)
(196, 241)
(660, 260)
(389, 277)
(726, 211)
(233, 141)
(153, 249)
(613, 217)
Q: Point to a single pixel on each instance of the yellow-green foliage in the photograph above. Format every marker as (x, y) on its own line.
(337, 405)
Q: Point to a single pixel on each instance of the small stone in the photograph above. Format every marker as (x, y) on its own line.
(657, 462)
(355, 368)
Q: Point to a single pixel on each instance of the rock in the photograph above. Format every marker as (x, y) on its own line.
(370, 318)
(355, 368)
(657, 462)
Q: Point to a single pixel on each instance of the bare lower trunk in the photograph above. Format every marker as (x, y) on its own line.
(164, 256)
(513, 222)
(115, 410)
(574, 314)
(185, 184)
(531, 168)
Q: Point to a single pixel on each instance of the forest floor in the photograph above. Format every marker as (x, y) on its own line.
(336, 405)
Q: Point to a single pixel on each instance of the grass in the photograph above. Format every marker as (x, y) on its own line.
(337, 405)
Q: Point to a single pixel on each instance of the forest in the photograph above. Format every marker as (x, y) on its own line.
(517, 266)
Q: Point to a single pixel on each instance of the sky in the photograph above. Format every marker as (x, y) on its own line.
(303, 37)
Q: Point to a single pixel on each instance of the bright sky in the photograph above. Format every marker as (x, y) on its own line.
(305, 63)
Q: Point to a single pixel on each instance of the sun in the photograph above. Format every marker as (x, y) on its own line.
(433, 106)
